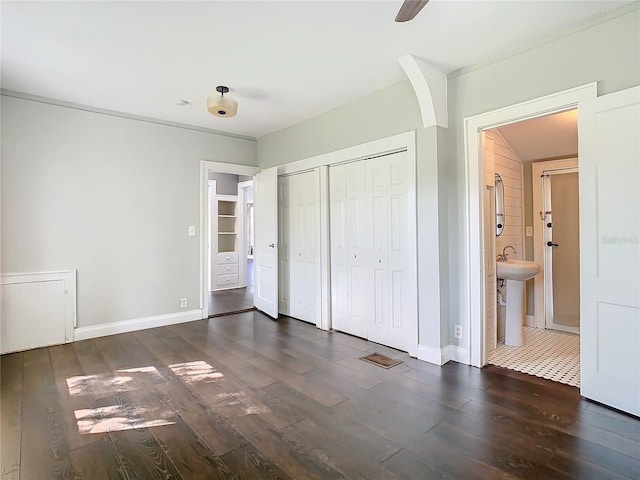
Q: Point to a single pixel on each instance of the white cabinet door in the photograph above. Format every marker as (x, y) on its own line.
(610, 249)
(265, 297)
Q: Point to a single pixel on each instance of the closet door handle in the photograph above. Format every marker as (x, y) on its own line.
(379, 261)
(272, 245)
(551, 244)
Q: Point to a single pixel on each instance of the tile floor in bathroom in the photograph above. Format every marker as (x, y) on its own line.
(546, 353)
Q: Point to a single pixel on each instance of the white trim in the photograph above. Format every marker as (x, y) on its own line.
(112, 328)
(430, 87)
(207, 166)
(116, 113)
(437, 356)
(530, 321)
(323, 259)
(459, 354)
(472, 303)
(364, 150)
(440, 356)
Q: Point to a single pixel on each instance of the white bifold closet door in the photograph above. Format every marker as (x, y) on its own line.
(373, 281)
(299, 248)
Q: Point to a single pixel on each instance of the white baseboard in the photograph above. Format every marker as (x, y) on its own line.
(530, 321)
(432, 355)
(460, 354)
(440, 356)
(93, 331)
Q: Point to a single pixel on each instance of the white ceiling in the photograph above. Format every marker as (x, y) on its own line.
(545, 137)
(284, 61)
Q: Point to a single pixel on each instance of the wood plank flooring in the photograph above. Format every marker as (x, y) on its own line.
(245, 397)
(232, 300)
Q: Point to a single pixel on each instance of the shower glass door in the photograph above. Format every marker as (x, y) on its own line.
(562, 250)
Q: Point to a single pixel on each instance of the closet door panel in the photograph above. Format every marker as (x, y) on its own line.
(303, 240)
(389, 187)
(339, 248)
(359, 255)
(283, 242)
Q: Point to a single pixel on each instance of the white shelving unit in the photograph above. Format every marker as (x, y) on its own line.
(227, 242)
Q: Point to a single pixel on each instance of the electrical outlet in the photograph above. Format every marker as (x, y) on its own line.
(458, 331)
(183, 303)
(528, 231)
(191, 231)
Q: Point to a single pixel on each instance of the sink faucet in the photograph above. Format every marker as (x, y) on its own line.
(502, 257)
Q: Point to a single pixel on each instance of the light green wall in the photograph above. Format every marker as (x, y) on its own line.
(606, 50)
(386, 112)
(110, 197)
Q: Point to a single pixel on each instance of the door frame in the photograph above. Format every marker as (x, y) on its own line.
(242, 200)
(540, 281)
(473, 298)
(207, 166)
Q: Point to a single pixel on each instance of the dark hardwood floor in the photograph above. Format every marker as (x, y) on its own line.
(242, 396)
(222, 302)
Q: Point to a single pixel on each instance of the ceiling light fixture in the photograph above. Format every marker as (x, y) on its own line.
(222, 106)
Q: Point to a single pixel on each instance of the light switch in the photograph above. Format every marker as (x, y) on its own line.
(192, 230)
(528, 231)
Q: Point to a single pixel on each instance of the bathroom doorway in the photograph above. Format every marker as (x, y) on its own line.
(534, 220)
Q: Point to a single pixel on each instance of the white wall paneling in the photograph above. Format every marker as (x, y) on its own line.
(509, 166)
(38, 309)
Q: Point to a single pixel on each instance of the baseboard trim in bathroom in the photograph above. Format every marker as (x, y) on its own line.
(547, 354)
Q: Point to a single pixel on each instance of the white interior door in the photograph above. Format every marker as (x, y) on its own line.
(390, 184)
(265, 192)
(610, 250)
(351, 272)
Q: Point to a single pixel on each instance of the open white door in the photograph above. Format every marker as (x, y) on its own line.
(265, 198)
(610, 249)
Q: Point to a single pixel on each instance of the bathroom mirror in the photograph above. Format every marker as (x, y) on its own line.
(500, 216)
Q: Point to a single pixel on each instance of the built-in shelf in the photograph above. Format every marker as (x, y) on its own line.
(227, 231)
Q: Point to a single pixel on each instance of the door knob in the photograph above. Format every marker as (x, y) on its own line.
(272, 245)
(551, 244)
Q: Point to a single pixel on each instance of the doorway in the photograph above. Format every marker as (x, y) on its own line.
(225, 265)
(516, 163)
(475, 292)
(230, 240)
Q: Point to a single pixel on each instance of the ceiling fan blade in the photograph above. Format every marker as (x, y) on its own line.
(409, 9)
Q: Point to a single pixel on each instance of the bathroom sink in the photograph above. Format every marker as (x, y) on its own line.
(517, 270)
